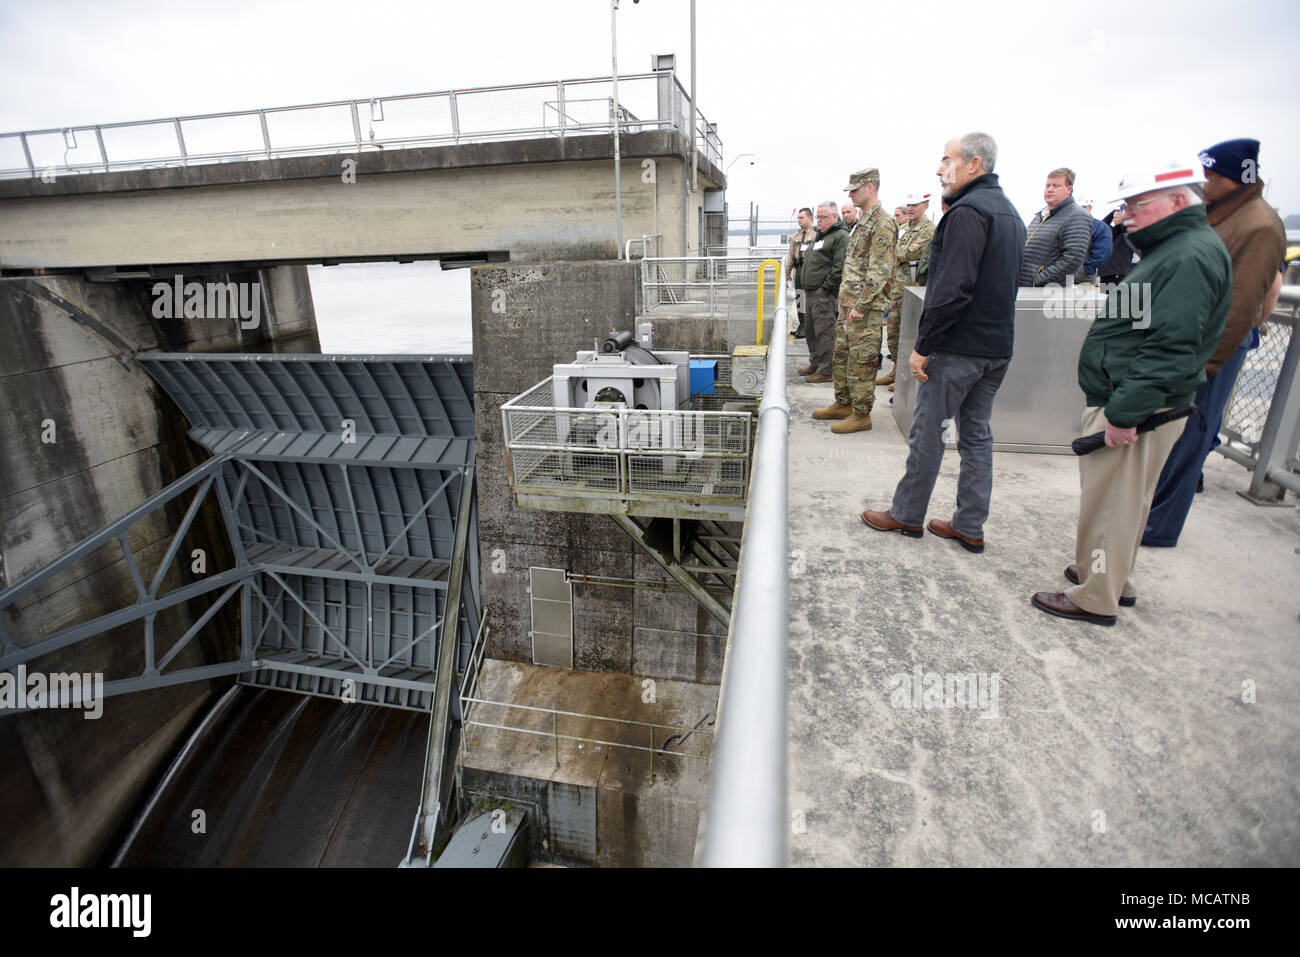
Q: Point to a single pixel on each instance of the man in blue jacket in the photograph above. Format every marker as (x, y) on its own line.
(1098, 252)
(1146, 352)
(963, 344)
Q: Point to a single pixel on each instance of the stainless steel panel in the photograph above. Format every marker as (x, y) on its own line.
(549, 583)
(551, 602)
(1040, 404)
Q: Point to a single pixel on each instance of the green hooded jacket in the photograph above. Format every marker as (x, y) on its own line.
(1148, 347)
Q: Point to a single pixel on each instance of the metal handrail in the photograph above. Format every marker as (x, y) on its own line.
(564, 124)
(747, 825)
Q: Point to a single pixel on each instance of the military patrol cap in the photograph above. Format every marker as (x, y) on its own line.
(868, 175)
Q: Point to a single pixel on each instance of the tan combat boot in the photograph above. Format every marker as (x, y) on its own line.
(886, 379)
(857, 422)
(835, 411)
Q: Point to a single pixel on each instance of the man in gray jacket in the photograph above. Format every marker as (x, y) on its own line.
(1059, 236)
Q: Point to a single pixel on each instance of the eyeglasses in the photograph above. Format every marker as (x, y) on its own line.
(1125, 207)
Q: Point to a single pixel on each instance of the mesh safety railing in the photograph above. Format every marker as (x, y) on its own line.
(644, 454)
(704, 284)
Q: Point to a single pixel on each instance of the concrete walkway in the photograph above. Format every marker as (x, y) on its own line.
(1122, 746)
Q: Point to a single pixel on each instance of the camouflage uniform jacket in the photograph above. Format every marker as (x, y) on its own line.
(869, 263)
(913, 247)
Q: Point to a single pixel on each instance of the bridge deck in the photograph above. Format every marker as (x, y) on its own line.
(1143, 722)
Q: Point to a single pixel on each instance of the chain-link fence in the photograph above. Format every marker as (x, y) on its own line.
(648, 101)
(1252, 396)
(1262, 417)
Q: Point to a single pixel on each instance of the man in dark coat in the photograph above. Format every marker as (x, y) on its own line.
(963, 344)
(1256, 241)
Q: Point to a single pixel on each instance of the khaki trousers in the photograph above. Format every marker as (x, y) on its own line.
(1115, 489)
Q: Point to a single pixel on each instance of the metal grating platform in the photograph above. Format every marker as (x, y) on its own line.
(687, 463)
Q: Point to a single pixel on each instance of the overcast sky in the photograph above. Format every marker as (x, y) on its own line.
(815, 88)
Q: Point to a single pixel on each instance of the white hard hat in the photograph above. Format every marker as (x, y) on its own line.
(1085, 202)
(915, 199)
(1161, 176)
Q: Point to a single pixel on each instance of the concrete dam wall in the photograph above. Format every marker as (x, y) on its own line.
(87, 437)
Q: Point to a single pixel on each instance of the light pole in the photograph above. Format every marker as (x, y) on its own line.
(733, 162)
(695, 186)
(618, 180)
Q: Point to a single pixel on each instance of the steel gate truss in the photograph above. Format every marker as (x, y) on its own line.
(346, 541)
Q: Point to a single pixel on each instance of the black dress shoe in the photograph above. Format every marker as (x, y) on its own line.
(1055, 603)
(1072, 573)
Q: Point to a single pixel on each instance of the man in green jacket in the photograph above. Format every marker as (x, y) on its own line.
(819, 278)
(1146, 352)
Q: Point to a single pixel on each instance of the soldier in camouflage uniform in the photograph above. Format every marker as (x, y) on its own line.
(913, 249)
(864, 290)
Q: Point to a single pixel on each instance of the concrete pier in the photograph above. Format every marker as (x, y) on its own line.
(1170, 739)
(593, 804)
(87, 437)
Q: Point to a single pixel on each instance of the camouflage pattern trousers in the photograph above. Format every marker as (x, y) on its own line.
(855, 359)
(893, 332)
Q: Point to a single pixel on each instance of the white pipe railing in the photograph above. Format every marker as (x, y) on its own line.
(746, 824)
(468, 115)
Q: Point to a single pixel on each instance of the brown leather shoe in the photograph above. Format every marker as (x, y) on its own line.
(1055, 603)
(944, 529)
(857, 422)
(884, 522)
(817, 377)
(806, 370)
(835, 411)
(1072, 573)
(885, 379)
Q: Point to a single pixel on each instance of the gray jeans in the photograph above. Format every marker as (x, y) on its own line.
(819, 330)
(960, 390)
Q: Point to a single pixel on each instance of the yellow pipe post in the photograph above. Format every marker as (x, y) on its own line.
(762, 272)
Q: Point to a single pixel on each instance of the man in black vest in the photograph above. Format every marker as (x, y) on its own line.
(963, 344)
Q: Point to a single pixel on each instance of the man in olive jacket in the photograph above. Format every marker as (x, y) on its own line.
(1256, 241)
(1146, 352)
(819, 277)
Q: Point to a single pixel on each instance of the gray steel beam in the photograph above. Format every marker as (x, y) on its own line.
(424, 510)
(266, 480)
(109, 532)
(70, 636)
(271, 664)
(179, 536)
(683, 577)
(430, 584)
(148, 683)
(343, 646)
(431, 808)
(198, 624)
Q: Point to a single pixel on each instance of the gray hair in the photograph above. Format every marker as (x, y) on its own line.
(1191, 191)
(981, 145)
(834, 204)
